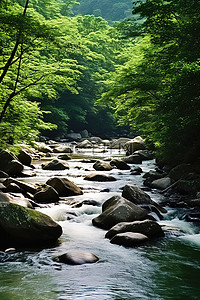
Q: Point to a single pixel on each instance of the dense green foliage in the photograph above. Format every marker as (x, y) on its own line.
(157, 90)
(55, 63)
(59, 72)
(114, 10)
(35, 63)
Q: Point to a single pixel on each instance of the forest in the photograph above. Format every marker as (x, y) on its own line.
(102, 66)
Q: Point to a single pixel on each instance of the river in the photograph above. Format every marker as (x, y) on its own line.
(166, 269)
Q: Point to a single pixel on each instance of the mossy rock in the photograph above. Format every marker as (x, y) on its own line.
(26, 226)
(190, 187)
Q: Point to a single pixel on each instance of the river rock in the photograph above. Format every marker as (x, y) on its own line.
(188, 186)
(138, 143)
(129, 239)
(99, 177)
(47, 195)
(118, 143)
(55, 165)
(16, 199)
(117, 209)
(12, 188)
(162, 183)
(9, 163)
(101, 165)
(136, 171)
(95, 140)
(24, 158)
(77, 257)
(64, 187)
(154, 175)
(119, 164)
(85, 144)
(181, 171)
(133, 159)
(64, 157)
(193, 217)
(147, 227)
(74, 136)
(27, 187)
(145, 154)
(21, 225)
(84, 134)
(62, 149)
(42, 147)
(106, 143)
(134, 194)
(194, 202)
(139, 197)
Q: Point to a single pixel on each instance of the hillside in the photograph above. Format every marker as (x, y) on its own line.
(111, 10)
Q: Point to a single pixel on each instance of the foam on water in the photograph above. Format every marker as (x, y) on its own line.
(192, 239)
(181, 225)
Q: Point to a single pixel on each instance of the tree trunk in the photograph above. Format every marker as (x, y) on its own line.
(10, 59)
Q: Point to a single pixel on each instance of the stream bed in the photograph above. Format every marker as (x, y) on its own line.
(166, 269)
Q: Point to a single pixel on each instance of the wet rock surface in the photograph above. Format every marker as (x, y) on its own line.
(77, 257)
(117, 209)
(24, 226)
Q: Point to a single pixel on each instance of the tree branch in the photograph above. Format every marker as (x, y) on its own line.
(10, 59)
(14, 93)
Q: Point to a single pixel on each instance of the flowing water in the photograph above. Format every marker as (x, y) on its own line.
(166, 269)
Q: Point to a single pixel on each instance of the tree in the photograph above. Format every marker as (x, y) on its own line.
(32, 50)
(156, 89)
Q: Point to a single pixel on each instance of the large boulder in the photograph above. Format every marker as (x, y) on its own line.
(119, 164)
(101, 165)
(64, 187)
(147, 227)
(134, 194)
(138, 143)
(46, 195)
(129, 239)
(117, 209)
(9, 163)
(24, 158)
(99, 177)
(55, 165)
(77, 257)
(137, 196)
(20, 225)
